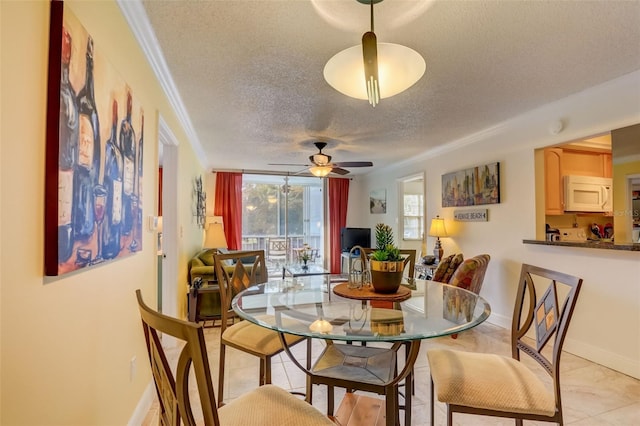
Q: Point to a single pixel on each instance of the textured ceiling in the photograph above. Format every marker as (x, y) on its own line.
(249, 73)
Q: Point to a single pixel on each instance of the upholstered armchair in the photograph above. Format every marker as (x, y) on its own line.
(202, 265)
(204, 305)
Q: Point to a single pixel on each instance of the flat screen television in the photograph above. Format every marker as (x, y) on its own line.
(350, 237)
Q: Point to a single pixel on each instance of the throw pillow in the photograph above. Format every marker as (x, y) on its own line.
(453, 266)
(441, 270)
(207, 256)
(464, 274)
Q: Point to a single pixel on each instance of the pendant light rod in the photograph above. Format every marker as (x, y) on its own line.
(370, 59)
(371, 3)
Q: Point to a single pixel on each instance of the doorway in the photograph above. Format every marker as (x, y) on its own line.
(281, 215)
(168, 279)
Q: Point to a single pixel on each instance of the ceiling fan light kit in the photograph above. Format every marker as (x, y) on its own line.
(320, 171)
(321, 164)
(388, 68)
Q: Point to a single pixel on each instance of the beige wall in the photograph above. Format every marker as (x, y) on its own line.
(606, 320)
(66, 343)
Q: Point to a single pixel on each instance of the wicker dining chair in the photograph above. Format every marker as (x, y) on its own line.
(493, 385)
(237, 271)
(267, 405)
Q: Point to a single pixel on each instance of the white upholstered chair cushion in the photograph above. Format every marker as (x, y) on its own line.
(270, 405)
(256, 338)
(488, 381)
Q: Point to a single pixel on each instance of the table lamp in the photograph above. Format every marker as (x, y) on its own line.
(438, 230)
(214, 234)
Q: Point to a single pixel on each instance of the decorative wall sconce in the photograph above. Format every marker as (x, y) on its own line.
(200, 202)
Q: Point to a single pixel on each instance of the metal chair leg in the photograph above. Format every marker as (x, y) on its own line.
(330, 400)
(221, 376)
(431, 401)
(267, 371)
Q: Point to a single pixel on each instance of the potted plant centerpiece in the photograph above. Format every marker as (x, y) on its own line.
(305, 256)
(387, 265)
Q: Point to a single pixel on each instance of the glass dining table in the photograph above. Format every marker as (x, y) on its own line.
(302, 306)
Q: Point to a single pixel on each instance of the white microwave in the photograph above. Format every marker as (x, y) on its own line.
(588, 194)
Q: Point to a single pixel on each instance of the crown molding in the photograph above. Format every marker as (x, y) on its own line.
(136, 17)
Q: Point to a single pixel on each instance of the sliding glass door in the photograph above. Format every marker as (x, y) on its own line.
(282, 214)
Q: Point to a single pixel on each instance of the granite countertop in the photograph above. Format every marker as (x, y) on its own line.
(593, 244)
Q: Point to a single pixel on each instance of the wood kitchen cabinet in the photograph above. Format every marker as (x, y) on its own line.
(586, 163)
(553, 191)
(559, 162)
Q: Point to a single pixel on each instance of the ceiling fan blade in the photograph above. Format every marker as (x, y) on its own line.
(302, 172)
(288, 164)
(354, 164)
(339, 171)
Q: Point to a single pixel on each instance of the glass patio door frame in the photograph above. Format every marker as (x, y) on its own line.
(311, 213)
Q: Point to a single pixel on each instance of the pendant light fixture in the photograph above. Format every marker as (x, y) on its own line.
(387, 68)
(370, 59)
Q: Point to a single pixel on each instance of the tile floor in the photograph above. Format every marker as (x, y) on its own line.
(592, 394)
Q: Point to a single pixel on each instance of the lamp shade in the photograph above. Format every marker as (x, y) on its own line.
(399, 68)
(320, 171)
(214, 236)
(437, 228)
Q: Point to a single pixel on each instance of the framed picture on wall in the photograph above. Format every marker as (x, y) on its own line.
(94, 153)
(378, 201)
(471, 187)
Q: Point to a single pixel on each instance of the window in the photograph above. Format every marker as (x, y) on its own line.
(412, 190)
(413, 219)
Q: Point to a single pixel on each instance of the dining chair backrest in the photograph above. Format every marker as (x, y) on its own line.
(545, 315)
(237, 271)
(409, 262)
(409, 256)
(173, 391)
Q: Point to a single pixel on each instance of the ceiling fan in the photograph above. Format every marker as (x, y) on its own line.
(321, 164)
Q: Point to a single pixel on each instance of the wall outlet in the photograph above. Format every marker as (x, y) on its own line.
(133, 368)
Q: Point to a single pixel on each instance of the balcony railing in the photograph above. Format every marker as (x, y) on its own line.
(274, 263)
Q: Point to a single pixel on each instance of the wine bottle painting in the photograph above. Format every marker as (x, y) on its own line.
(93, 206)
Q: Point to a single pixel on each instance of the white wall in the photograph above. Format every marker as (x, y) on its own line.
(607, 318)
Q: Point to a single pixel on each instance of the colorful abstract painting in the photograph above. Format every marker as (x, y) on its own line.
(472, 187)
(94, 160)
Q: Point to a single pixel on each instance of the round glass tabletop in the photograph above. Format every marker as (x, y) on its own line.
(303, 307)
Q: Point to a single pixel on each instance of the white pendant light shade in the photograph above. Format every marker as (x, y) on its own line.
(399, 68)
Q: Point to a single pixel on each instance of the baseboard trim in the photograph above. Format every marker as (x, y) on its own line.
(499, 320)
(628, 366)
(144, 405)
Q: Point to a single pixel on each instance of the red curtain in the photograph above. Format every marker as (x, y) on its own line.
(338, 200)
(228, 204)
